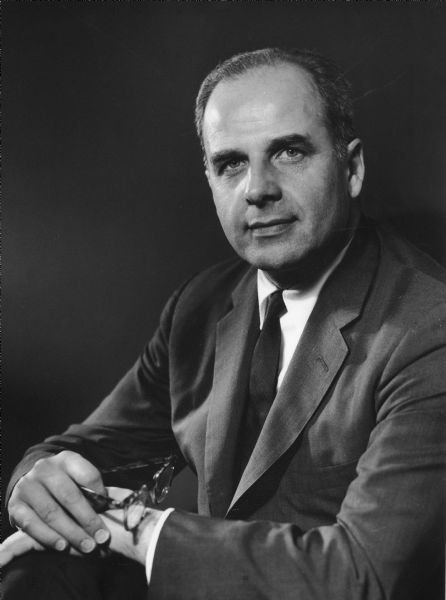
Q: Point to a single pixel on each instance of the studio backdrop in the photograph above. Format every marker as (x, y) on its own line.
(106, 208)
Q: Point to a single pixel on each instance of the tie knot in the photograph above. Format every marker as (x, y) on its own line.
(275, 307)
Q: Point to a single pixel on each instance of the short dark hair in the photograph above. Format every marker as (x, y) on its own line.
(328, 78)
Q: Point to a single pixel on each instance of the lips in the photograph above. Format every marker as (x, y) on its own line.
(261, 223)
(268, 227)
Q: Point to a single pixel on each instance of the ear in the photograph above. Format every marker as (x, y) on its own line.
(355, 167)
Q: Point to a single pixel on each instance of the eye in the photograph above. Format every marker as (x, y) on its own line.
(231, 166)
(291, 153)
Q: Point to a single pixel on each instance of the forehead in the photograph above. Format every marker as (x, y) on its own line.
(265, 102)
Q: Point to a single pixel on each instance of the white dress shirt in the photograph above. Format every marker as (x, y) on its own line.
(299, 305)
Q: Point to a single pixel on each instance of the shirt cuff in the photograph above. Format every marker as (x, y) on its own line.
(153, 542)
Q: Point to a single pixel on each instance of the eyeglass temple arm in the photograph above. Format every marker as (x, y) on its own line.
(163, 461)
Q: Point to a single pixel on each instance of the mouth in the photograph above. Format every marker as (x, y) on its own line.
(270, 227)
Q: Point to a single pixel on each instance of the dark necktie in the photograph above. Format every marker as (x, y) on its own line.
(263, 376)
(265, 360)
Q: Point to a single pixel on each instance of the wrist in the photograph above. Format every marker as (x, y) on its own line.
(143, 535)
(132, 544)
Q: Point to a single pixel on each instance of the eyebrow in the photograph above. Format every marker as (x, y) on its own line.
(274, 145)
(218, 158)
(288, 140)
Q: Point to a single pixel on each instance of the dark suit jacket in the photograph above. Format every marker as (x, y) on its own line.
(342, 497)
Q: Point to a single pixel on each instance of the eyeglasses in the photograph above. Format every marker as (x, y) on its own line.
(136, 503)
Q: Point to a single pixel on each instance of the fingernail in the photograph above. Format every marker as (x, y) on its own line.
(61, 545)
(87, 545)
(101, 536)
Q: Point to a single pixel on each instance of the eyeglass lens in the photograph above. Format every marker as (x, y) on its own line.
(161, 483)
(134, 514)
(135, 508)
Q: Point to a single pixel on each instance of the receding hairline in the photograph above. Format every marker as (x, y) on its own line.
(272, 65)
(325, 75)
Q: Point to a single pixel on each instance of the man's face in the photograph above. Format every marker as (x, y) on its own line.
(280, 191)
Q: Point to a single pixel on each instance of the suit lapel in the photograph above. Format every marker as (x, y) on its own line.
(319, 356)
(236, 334)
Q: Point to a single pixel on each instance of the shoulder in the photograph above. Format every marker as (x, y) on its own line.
(403, 253)
(392, 289)
(211, 289)
(408, 275)
(404, 315)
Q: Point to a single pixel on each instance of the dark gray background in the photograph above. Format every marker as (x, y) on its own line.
(106, 209)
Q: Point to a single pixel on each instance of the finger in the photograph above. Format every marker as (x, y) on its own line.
(53, 516)
(69, 495)
(81, 470)
(15, 545)
(31, 524)
(83, 473)
(49, 488)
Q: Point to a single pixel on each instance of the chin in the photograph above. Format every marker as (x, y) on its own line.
(273, 263)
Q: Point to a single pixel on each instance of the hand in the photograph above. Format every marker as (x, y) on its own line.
(48, 505)
(15, 545)
(132, 545)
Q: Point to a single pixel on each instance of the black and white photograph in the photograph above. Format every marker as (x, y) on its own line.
(224, 300)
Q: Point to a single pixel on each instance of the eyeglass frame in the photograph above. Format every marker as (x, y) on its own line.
(103, 503)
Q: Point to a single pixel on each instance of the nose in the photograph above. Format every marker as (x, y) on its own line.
(261, 185)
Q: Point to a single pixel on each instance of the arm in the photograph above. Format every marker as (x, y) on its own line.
(132, 424)
(388, 538)
(133, 545)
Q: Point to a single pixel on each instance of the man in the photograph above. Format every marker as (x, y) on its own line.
(318, 442)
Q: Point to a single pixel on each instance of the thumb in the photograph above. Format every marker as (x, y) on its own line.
(82, 471)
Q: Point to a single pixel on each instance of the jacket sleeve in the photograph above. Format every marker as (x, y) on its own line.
(132, 424)
(387, 542)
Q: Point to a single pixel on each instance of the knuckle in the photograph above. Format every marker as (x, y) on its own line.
(41, 461)
(21, 486)
(92, 523)
(19, 515)
(39, 475)
(26, 523)
(62, 456)
(69, 497)
(78, 466)
(50, 513)
(86, 473)
(40, 464)
(40, 470)
(66, 457)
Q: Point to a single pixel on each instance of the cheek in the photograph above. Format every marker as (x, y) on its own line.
(222, 207)
(319, 199)
(229, 210)
(228, 220)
